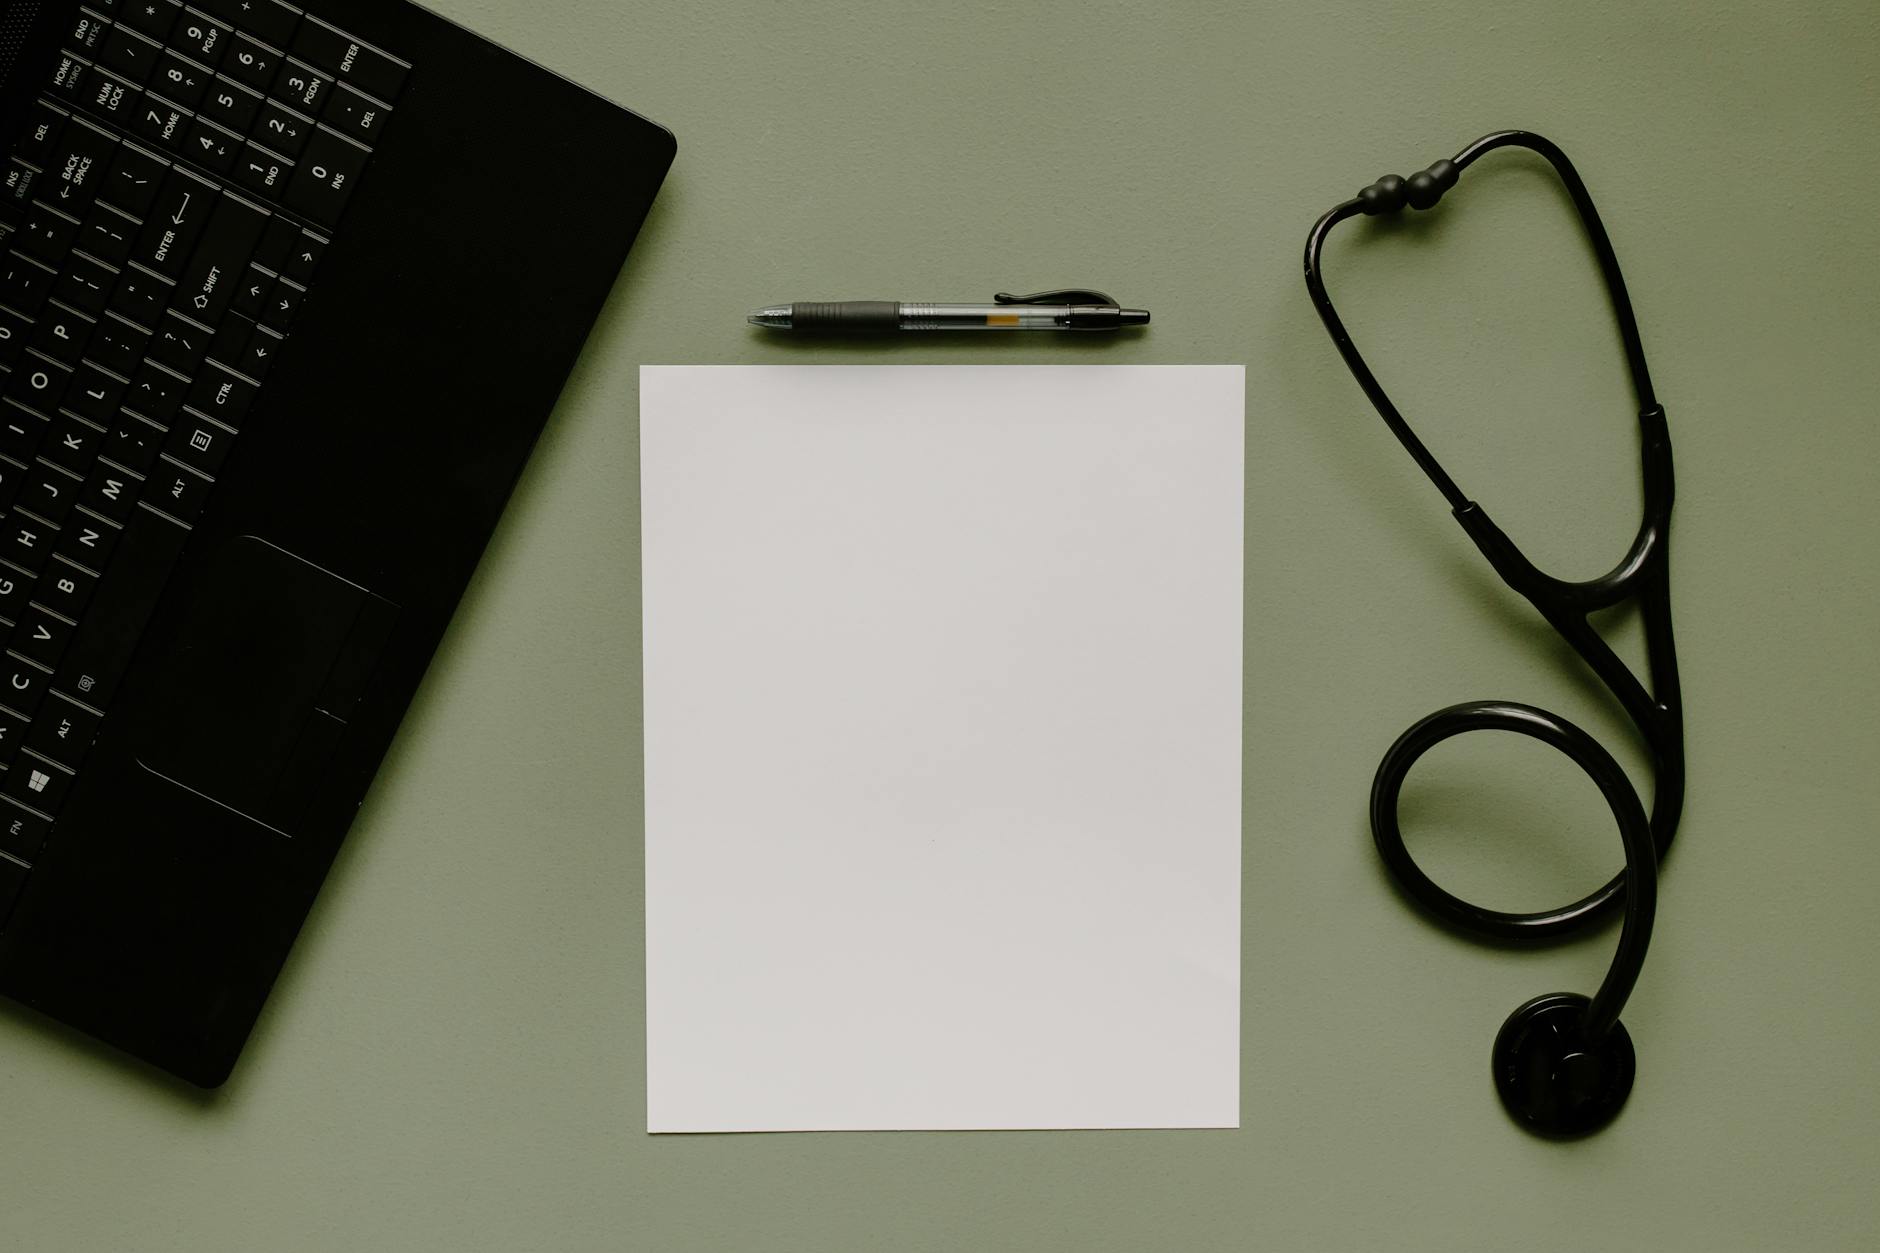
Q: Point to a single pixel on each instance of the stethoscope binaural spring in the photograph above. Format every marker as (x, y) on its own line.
(1562, 1064)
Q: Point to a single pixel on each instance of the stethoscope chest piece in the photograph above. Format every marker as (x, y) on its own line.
(1550, 1078)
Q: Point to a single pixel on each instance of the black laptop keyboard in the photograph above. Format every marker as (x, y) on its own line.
(162, 221)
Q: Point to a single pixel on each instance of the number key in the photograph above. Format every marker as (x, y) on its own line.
(231, 105)
(282, 129)
(303, 87)
(263, 172)
(200, 38)
(329, 170)
(180, 80)
(251, 63)
(213, 147)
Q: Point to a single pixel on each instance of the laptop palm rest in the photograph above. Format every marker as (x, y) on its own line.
(265, 658)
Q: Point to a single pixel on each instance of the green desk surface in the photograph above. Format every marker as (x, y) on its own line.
(454, 1056)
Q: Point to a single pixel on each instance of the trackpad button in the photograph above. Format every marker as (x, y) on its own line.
(241, 706)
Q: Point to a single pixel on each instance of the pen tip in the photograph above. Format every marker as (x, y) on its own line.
(776, 318)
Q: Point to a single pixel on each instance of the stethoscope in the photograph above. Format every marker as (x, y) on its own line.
(1562, 1064)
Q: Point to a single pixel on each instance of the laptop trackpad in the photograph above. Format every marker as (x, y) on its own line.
(267, 656)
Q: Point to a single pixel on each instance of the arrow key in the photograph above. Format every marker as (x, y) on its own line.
(263, 346)
(283, 304)
(305, 258)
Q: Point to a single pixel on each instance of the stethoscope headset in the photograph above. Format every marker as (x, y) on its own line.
(1562, 1064)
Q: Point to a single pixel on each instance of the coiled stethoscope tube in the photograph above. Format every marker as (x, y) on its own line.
(1563, 1064)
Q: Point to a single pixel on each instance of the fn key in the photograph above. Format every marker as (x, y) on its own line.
(328, 172)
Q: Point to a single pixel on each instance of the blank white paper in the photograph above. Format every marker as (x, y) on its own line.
(943, 708)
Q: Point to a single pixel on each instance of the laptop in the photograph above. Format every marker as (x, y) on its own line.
(286, 296)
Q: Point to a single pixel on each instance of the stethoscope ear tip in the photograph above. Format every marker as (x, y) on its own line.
(1551, 1078)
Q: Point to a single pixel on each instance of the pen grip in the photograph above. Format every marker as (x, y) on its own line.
(846, 315)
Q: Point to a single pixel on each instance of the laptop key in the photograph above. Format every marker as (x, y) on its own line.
(252, 63)
(65, 589)
(14, 330)
(21, 834)
(303, 87)
(38, 783)
(63, 731)
(41, 637)
(211, 146)
(345, 58)
(141, 297)
(70, 74)
(179, 344)
(24, 283)
(181, 211)
(62, 334)
(231, 105)
(180, 79)
(221, 395)
(134, 443)
(94, 394)
(88, 542)
(48, 493)
(130, 55)
(200, 38)
(282, 129)
(221, 256)
(155, 393)
(101, 647)
(87, 33)
(43, 125)
(151, 17)
(112, 97)
(22, 686)
(46, 235)
(13, 732)
(107, 235)
(117, 345)
(86, 284)
(15, 592)
(329, 170)
(74, 444)
(12, 883)
(134, 180)
(178, 492)
(354, 115)
(268, 19)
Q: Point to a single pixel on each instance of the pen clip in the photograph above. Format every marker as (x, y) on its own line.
(1067, 296)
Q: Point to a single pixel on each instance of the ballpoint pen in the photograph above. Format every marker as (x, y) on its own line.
(1072, 309)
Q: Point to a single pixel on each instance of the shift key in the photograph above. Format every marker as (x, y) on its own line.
(176, 219)
(215, 271)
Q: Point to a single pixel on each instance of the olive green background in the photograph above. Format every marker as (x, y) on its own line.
(454, 1056)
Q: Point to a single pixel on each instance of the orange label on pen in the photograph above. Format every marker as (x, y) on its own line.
(1001, 319)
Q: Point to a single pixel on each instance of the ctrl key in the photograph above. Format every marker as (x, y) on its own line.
(12, 879)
